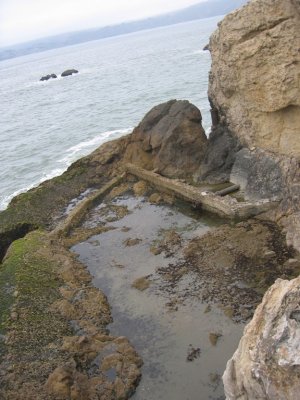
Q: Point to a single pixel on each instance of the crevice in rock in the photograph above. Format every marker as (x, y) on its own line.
(295, 315)
(250, 35)
(17, 232)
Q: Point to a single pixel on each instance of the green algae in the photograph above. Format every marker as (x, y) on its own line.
(29, 284)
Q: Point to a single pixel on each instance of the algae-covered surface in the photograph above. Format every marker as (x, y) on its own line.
(171, 331)
(29, 285)
(54, 338)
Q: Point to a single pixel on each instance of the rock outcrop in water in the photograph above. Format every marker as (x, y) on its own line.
(169, 139)
(47, 77)
(69, 72)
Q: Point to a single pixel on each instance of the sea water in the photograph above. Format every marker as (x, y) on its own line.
(45, 126)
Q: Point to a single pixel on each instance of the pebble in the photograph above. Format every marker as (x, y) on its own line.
(14, 316)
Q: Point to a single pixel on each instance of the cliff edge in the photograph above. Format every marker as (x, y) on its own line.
(254, 91)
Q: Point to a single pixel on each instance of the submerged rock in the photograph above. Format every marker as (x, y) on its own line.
(69, 72)
(170, 139)
(141, 283)
(266, 364)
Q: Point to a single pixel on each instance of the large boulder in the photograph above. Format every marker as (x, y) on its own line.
(69, 72)
(170, 139)
(266, 364)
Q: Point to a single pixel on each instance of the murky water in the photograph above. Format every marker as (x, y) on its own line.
(174, 337)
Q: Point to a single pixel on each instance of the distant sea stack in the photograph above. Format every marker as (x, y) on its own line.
(254, 91)
(69, 72)
(47, 77)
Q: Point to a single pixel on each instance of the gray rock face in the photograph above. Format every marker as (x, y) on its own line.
(266, 364)
(220, 156)
(69, 72)
(258, 174)
(169, 139)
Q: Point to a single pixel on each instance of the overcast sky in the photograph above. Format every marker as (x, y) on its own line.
(23, 20)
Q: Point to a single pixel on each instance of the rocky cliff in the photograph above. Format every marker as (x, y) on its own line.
(254, 90)
(254, 79)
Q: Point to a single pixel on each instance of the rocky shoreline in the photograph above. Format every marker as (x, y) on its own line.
(54, 341)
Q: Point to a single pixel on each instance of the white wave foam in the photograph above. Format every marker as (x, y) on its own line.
(86, 146)
(196, 52)
(207, 131)
(73, 153)
(6, 199)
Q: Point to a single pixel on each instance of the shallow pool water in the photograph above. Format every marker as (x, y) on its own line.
(173, 334)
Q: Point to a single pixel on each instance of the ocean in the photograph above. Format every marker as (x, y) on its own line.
(45, 126)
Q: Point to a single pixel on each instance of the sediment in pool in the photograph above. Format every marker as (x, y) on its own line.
(166, 321)
(181, 284)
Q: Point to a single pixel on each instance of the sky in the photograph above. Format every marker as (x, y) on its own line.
(24, 20)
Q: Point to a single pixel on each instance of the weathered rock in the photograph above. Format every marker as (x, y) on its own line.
(47, 77)
(140, 188)
(254, 80)
(69, 72)
(169, 139)
(258, 173)
(254, 91)
(266, 364)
